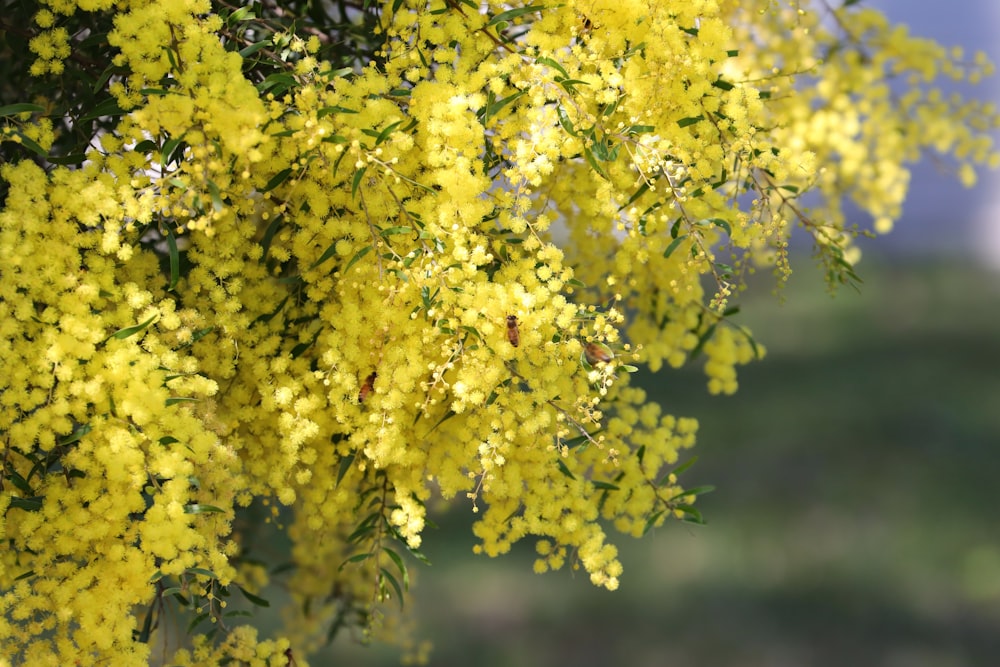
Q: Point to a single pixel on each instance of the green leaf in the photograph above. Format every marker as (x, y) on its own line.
(650, 520)
(673, 245)
(607, 486)
(395, 584)
(691, 515)
(196, 621)
(384, 134)
(30, 504)
(722, 224)
(166, 156)
(398, 560)
(563, 469)
(361, 253)
(122, 334)
(642, 189)
(684, 466)
(198, 508)
(356, 558)
(722, 84)
(640, 129)
(277, 180)
(514, 13)
(593, 163)
(248, 51)
(327, 254)
(20, 107)
(345, 465)
(698, 490)
(174, 400)
(142, 636)
(175, 260)
(493, 108)
(395, 230)
(566, 123)
(30, 144)
(553, 64)
(200, 571)
(108, 107)
(690, 120)
(356, 181)
(77, 433)
(704, 338)
(326, 111)
(255, 599)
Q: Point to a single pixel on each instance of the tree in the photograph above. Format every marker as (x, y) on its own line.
(325, 264)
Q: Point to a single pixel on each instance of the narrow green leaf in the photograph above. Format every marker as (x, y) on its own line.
(361, 253)
(77, 433)
(327, 254)
(384, 134)
(216, 196)
(642, 189)
(691, 515)
(108, 107)
(345, 465)
(722, 224)
(395, 584)
(589, 155)
(513, 14)
(196, 621)
(673, 245)
(356, 558)
(20, 107)
(167, 156)
(326, 111)
(607, 486)
(175, 260)
(277, 179)
(30, 144)
(396, 230)
(566, 123)
(202, 572)
(400, 565)
(255, 599)
(684, 466)
(122, 334)
(174, 400)
(650, 520)
(690, 120)
(31, 504)
(198, 508)
(356, 181)
(722, 84)
(553, 64)
(563, 469)
(142, 636)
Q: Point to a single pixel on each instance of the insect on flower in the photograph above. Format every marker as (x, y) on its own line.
(367, 387)
(513, 334)
(596, 352)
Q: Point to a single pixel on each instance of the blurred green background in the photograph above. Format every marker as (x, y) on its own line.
(854, 520)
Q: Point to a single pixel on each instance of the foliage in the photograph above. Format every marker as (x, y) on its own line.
(339, 261)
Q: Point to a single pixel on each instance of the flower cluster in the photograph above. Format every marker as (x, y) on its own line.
(320, 294)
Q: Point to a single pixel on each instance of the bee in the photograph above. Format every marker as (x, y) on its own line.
(513, 334)
(597, 353)
(367, 387)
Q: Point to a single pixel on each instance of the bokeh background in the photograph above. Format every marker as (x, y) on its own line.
(855, 516)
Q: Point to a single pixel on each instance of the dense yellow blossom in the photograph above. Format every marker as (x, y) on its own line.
(280, 292)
